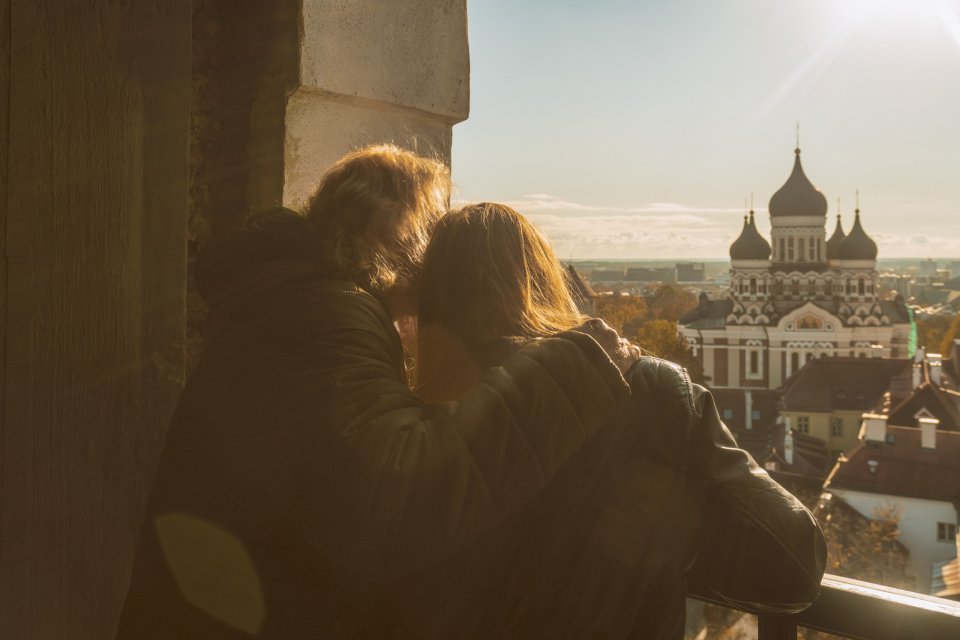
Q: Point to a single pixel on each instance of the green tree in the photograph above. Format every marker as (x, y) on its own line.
(661, 339)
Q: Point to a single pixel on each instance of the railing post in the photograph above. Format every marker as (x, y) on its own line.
(776, 628)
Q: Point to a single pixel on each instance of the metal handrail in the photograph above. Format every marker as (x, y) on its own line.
(865, 611)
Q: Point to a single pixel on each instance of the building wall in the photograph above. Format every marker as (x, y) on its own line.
(96, 161)
(820, 427)
(918, 528)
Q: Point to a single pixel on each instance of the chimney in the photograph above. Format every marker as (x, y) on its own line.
(874, 427)
(928, 432)
(788, 447)
(935, 362)
(917, 374)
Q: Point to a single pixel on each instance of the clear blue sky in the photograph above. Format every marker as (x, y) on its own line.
(636, 128)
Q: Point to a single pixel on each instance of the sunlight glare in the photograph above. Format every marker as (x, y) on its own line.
(904, 13)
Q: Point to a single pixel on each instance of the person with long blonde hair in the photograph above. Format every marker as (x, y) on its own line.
(490, 282)
(661, 500)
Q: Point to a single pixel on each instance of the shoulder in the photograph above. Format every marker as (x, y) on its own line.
(664, 382)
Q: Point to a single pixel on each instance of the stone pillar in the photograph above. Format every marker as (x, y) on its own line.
(374, 72)
(93, 190)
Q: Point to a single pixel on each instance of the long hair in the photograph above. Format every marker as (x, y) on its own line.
(374, 211)
(488, 273)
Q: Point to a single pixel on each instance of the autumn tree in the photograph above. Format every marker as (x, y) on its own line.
(932, 330)
(864, 548)
(624, 313)
(952, 333)
(670, 303)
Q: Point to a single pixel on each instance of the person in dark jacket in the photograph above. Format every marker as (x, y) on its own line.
(659, 501)
(300, 477)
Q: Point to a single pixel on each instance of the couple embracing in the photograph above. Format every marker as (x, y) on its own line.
(506, 468)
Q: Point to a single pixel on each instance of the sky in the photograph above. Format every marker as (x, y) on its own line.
(637, 129)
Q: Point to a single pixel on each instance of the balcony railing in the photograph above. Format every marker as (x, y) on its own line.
(866, 611)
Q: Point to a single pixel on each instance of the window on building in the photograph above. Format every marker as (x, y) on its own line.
(794, 362)
(754, 362)
(789, 249)
(803, 424)
(861, 287)
(801, 250)
(754, 415)
(796, 286)
(836, 426)
(946, 532)
(781, 253)
(753, 286)
(728, 414)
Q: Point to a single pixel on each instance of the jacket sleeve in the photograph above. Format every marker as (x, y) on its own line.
(755, 546)
(402, 484)
(762, 550)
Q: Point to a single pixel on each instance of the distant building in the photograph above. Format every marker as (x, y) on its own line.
(917, 471)
(934, 393)
(691, 272)
(826, 398)
(798, 461)
(651, 274)
(582, 294)
(803, 297)
(607, 275)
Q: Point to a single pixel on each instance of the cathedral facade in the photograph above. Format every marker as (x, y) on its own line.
(796, 297)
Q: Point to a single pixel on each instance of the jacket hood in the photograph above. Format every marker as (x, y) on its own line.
(245, 266)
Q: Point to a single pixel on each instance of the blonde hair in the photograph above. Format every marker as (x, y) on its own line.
(488, 273)
(375, 210)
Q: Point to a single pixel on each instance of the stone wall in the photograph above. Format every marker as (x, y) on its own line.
(107, 170)
(94, 263)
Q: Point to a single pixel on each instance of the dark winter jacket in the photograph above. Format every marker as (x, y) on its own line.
(660, 502)
(301, 480)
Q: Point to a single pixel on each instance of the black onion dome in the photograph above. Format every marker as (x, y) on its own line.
(750, 245)
(833, 244)
(858, 245)
(798, 196)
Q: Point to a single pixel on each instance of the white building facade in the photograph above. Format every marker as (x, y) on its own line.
(795, 298)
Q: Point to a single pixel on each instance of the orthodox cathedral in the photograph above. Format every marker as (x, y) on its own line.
(796, 297)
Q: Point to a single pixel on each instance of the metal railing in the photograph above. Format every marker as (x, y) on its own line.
(865, 611)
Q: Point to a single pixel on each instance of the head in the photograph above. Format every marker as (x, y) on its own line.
(488, 273)
(375, 210)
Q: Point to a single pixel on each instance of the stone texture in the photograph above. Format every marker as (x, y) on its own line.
(407, 53)
(94, 262)
(321, 127)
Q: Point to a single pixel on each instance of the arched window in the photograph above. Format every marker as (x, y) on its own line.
(796, 286)
(861, 287)
(781, 253)
(753, 286)
(801, 250)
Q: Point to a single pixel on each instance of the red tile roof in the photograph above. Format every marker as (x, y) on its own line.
(841, 383)
(903, 467)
